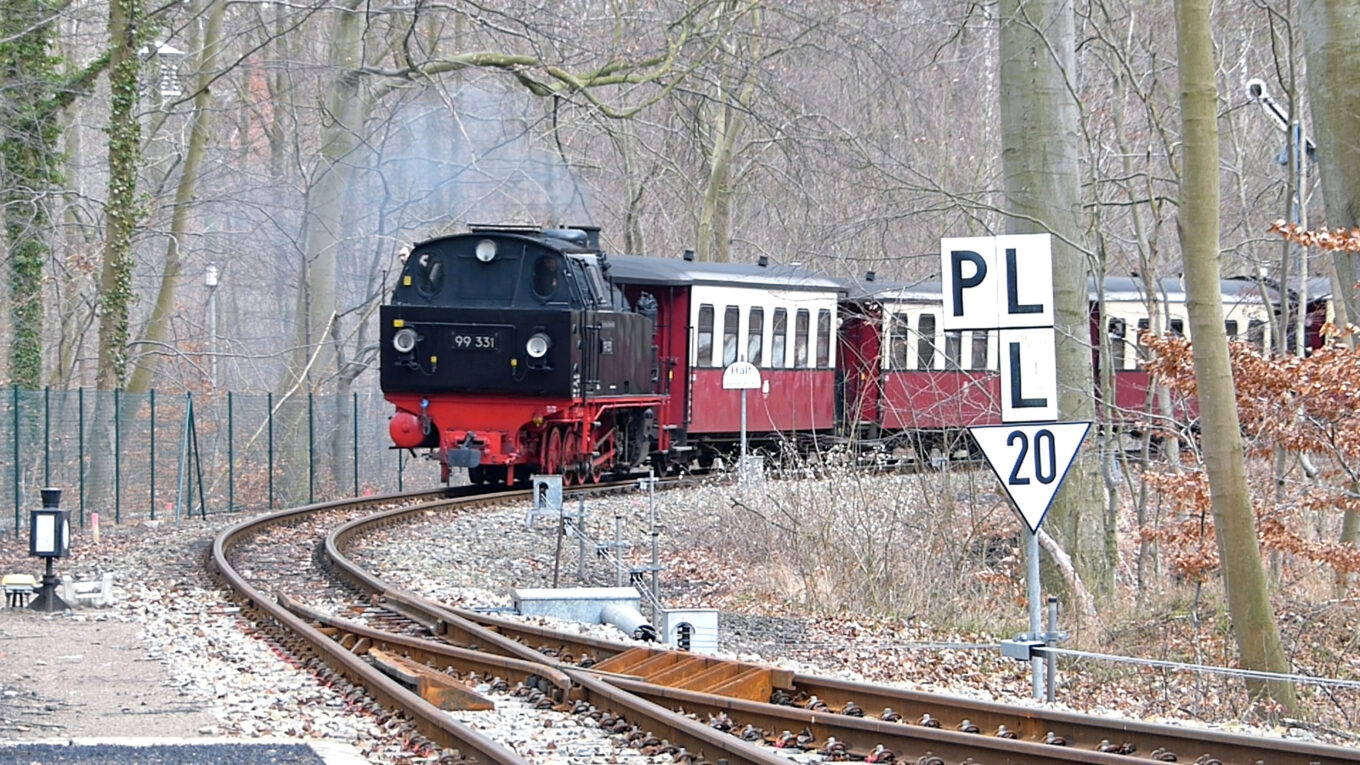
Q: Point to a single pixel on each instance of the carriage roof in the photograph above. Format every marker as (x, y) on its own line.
(634, 269)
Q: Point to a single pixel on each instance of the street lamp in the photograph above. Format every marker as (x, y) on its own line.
(49, 537)
(210, 281)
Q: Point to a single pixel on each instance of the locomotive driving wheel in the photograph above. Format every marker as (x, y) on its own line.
(552, 452)
(571, 458)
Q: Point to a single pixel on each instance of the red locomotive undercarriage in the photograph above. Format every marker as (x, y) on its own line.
(510, 434)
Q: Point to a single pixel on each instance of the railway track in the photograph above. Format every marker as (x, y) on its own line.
(705, 709)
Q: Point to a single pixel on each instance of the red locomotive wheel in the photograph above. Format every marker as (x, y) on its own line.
(571, 458)
(552, 452)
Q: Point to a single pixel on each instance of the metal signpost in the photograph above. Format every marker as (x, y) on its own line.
(983, 289)
(742, 376)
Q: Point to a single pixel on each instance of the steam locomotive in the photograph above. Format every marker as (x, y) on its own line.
(509, 351)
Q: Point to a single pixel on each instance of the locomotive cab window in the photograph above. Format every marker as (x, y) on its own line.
(755, 336)
(731, 319)
(429, 274)
(925, 342)
(593, 289)
(546, 277)
(780, 338)
(800, 341)
(703, 354)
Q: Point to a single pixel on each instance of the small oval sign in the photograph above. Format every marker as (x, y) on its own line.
(741, 375)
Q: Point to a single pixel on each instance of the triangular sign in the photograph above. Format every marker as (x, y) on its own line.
(1031, 461)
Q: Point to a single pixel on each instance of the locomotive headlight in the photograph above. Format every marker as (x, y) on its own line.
(404, 340)
(486, 250)
(537, 347)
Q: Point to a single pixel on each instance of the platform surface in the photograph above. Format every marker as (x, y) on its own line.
(179, 751)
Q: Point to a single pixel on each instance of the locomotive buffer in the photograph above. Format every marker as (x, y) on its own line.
(1030, 452)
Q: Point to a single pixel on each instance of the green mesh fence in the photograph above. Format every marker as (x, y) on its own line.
(169, 455)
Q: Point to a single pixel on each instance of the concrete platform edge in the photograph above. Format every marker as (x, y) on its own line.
(331, 751)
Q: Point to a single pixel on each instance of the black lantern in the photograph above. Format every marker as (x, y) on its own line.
(50, 537)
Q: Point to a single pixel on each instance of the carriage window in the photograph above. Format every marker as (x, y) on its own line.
(704, 352)
(953, 350)
(1178, 327)
(755, 336)
(824, 339)
(1256, 333)
(1230, 329)
(780, 338)
(900, 342)
(979, 349)
(1117, 330)
(800, 339)
(545, 277)
(731, 317)
(925, 342)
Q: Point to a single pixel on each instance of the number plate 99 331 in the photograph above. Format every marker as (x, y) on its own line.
(476, 340)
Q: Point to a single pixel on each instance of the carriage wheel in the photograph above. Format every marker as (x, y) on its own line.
(476, 475)
(552, 452)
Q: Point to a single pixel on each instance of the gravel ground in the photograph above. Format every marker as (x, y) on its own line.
(210, 677)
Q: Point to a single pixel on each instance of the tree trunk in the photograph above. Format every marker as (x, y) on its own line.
(1330, 28)
(29, 162)
(121, 213)
(144, 373)
(1244, 579)
(1039, 139)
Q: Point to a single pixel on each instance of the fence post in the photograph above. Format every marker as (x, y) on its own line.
(153, 454)
(117, 459)
(354, 417)
(269, 402)
(231, 462)
(17, 498)
(311, 453)
(80, 448)
(47, 436)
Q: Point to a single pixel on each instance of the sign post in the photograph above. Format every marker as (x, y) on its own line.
(983, 289)
(742, 376)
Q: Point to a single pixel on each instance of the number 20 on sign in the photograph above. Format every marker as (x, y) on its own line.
(1031, 461)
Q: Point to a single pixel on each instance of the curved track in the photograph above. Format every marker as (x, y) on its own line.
(637, 688)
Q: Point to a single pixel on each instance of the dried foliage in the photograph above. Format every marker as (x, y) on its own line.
(1335, 240)
(1303, 406)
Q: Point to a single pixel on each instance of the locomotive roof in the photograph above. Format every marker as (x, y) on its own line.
(635, 269)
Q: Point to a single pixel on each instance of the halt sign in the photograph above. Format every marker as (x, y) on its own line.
(1031, 461)
(741, 375)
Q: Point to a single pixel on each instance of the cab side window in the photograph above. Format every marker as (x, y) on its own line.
(429, 274)
(546, 277)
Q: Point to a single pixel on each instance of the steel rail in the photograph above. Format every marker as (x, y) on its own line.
(1083, 733)
(430, 720)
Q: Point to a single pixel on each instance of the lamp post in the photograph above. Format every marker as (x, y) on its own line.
(210, 281)
(1303, 149)
(50, 537)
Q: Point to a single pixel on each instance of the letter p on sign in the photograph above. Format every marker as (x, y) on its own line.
(1002, 282)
